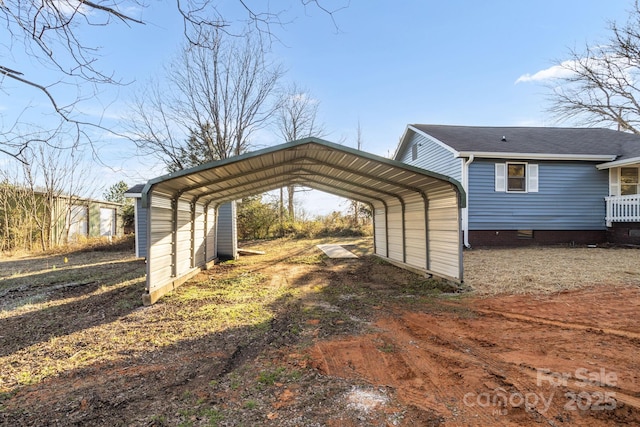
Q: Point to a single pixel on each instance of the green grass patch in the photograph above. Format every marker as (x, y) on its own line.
(270, 377)
(212, 415)
(250, 404)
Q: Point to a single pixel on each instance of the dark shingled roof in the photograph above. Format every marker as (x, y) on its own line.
(536, 140)
(136, 189)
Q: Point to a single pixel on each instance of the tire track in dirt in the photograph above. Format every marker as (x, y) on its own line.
(623, 395)
(515, 375)
(439, 376)
(560, 324)
(475, 366)
(442, 363)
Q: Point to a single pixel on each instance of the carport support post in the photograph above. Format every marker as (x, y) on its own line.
(147, 268)
(373, 223)
(192, 206)
(386, 229)
(206, 237)
(174, 237)
(426, 230)
(404, 232)
(216, 219)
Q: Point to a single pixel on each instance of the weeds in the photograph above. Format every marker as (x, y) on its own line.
(159, 419)
(212, 415)
(269, 378)
(387, 348)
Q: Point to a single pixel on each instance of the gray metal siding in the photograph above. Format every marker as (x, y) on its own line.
(432, 157)
(380, 236)
(141, 232)
(444, 233)
(394, 230)
(415, 239)
(227, 231)
(199, 240)
(159, 260)
(183, 238)
(570, 197)
(210, 234)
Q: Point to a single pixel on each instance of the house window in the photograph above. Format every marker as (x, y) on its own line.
(414, 152)
(628, 181)
(517, 177)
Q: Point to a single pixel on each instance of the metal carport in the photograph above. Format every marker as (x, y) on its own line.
(416, 213)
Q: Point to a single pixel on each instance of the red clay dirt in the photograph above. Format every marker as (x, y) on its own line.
(565, 359)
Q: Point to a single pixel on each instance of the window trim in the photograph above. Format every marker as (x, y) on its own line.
(620, 183)
(525, 177)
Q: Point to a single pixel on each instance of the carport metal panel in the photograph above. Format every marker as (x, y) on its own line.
(404, 199)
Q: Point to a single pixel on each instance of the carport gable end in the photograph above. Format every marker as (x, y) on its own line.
(416, 213)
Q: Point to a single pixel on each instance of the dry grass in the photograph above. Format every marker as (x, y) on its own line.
(83, 244)
(549, 269)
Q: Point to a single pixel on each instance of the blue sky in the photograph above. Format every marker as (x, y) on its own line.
(383, 64)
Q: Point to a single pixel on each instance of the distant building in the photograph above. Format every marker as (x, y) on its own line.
(31, 220)
(75, 217)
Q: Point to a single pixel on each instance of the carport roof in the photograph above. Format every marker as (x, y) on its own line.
(309, 162)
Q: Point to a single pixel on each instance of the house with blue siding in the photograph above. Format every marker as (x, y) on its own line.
(534, 185)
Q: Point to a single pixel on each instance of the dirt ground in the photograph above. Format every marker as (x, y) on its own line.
(292, 338)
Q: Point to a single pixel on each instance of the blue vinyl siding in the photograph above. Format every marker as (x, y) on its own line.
(432, 157)
(570, 197)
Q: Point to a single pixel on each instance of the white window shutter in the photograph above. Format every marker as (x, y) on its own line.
(501, 177)
(532, 184)
(614, 182)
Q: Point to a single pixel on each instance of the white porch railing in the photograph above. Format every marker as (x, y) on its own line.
(623, 208)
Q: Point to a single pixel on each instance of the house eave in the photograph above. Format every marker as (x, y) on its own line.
(537, 156)
(622, 162)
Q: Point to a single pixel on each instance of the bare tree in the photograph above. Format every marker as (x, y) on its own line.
(37, 198)
(49, 34)
(599, 86)
(215, 96)
(55, 179)
(58, 36)
(297, 118)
